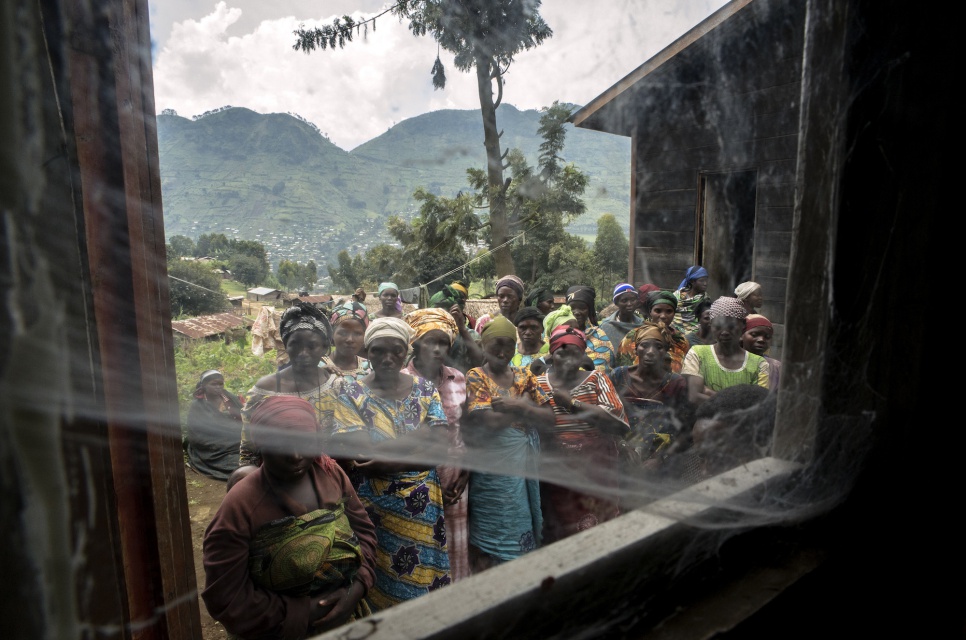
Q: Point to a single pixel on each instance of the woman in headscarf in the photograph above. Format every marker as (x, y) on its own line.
(505, 409)
(701, 335)
(655, 399)
(756, 339)
(750, 295)
(390, 305)
(509, 295)
(659, 307)
(581, 300)
(562, 315)
(710, 368)
(530, 342)
(628, 301)
(349, 321)
(582, 447)
(392, 427)
(690, 292)
(307, 336)
(462, 289)
(540, 298)
(433, 333)
(465, 352)
(213, 427)
(290, 552)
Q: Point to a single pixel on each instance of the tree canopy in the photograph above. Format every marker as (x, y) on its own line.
(195, 288)
(484, 35)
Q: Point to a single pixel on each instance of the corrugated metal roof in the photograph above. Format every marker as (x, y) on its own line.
(212, 325)
(315, 299)
(262, 291)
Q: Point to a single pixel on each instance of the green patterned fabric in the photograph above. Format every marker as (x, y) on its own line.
(306, 555)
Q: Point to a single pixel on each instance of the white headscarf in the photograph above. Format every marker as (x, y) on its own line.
(387, 327)
(745, 289)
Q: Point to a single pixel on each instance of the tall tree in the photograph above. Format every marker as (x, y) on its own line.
(484, 35)
(343, 275)
(181, 246)
(195, 289)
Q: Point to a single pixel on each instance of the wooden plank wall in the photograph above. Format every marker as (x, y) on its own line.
(730, 103)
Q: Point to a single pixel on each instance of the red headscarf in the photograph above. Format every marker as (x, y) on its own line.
(277, 414)
(565, 334)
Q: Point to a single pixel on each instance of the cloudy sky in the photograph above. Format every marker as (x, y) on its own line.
(208, 54)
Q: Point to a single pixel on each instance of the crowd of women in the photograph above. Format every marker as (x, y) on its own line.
(398, 453)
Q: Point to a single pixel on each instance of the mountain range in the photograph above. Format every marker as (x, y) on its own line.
(277, 179)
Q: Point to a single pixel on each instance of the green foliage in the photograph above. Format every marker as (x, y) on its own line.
(294, 276)
(213, 245)
(236, 362)
(181, 247)
(247, 270)
(311, 218)
(610, 247)
(482, 34)
(343, 275)
(381, 263)
(195, 289)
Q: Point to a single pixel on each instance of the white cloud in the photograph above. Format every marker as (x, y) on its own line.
(357, 93)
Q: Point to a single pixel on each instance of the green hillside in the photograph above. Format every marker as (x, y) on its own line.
(276, 179)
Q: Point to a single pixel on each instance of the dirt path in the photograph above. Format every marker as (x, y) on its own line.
(204, 498)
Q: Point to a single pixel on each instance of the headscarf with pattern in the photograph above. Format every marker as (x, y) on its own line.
(272, 416)
(350, 310)
(447, 297)
(302, 315)
(422, 321)
(728, 307)
(651, 330)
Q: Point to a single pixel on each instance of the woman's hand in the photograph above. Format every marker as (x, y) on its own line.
(334, 608)
(454, 491)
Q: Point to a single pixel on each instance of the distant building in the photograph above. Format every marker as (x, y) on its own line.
(209, 327)
(264, 294)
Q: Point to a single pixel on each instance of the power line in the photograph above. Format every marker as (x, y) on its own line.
(221, 293)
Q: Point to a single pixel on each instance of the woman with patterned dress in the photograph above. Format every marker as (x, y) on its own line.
(505, 408)
(433, 333)
(600, 349)
(655, 399)
(307, 336)
(530, 341)
(349, 321)
(290, 553)
(710, 368)
(692, 290)
(660, 307)
(582, 448)
(392, 426)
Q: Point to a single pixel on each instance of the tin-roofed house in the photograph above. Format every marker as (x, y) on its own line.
(713, 121)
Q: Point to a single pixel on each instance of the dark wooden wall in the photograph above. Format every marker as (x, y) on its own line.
(730, 102)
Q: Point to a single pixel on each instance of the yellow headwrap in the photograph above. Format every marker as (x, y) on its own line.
(423, 321)
(651, 330)
(498, 327)
(460, 288)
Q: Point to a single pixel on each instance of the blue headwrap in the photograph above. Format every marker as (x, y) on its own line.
(692, 274)
(388, 285)
(623, 288)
